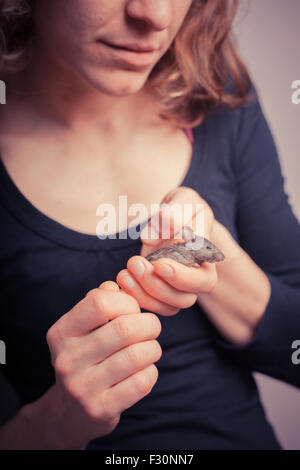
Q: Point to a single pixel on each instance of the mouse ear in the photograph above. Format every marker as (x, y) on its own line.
(187, 234)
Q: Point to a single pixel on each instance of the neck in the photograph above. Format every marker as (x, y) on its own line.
(64, 98)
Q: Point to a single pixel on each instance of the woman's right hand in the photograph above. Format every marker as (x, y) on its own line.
(103, 352)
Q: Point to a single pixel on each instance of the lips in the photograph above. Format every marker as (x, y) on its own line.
(131, 47)
(131, 55)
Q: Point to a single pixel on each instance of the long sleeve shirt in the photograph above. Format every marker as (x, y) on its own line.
(205, 396)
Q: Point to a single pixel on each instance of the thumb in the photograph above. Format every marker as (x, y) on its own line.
(109, 285)
(178, 208)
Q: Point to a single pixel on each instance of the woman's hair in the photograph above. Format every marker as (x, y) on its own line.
(201, 69)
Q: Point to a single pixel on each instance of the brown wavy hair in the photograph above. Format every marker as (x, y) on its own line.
(201, 69)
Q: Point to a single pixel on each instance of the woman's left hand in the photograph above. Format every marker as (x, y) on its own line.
(168, 286)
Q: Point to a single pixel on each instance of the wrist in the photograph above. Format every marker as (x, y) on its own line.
(222, 239)
(47, 425)
(238, 301)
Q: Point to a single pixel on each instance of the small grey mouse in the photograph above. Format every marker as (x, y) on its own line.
(193, 252)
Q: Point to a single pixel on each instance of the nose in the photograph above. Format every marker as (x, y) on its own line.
(219, 256)
(156, 13)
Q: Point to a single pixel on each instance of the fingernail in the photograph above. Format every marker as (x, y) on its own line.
(128, 282)
(165, 270)
(137, 268)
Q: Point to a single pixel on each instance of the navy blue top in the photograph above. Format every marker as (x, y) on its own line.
(205, 396)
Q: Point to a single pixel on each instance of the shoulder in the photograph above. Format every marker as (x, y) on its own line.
(240, 131)
(237, 120)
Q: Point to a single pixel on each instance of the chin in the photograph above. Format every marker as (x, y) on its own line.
(119, 83)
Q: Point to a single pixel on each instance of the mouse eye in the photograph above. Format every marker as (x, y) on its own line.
(209, 248)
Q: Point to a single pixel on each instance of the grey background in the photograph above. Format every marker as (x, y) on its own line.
(268, 34)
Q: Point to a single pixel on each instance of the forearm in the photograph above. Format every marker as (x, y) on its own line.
(238, 301)
(35, 427)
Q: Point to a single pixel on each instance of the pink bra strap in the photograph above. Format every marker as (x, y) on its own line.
(190, 134)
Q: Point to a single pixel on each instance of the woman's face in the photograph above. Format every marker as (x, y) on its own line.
(81, 36)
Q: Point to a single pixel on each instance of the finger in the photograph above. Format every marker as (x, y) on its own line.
(124, 363)
(186, 278)
(114, 336)
(192, 224)
(177, 209)
(157, 287)
(97, 308)
(132, 287)
(129, 391)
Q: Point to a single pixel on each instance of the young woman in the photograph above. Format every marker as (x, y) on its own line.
(99, 97)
